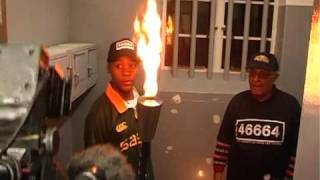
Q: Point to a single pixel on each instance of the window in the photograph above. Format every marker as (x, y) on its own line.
(217, 36)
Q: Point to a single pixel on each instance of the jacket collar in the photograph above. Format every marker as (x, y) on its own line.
(119, 103)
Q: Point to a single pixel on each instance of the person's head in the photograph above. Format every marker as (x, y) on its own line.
(122, 65)
(263, 71)
(100, 162)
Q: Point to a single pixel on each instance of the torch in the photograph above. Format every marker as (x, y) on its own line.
(307, 164)
(147, 33)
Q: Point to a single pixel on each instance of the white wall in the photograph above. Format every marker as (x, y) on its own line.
(292, 47)
(38, 21)
(296, 2)
(299, 2)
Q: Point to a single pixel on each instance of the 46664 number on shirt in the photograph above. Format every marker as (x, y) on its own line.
(260, 131)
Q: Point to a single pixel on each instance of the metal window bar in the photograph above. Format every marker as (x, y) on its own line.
(176, 38)
(228, 40)
(228, 36)
(245, 39)
(252, 2)
(211, 38)
(264, 25)
(193, 38)
(203, 36)
(274, 24)
(163, 31)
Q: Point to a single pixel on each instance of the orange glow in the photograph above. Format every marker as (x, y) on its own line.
(169, 30)
(200, 173)
(94, 169)
(151, 103)
(147, 33)
(312, 83)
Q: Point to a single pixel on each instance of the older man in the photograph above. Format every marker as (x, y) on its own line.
(258, 135)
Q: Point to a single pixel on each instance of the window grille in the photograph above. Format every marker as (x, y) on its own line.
(216, 36)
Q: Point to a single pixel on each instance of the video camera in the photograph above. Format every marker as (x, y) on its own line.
(27, 141)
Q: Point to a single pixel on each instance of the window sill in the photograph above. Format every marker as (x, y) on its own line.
(200, 83)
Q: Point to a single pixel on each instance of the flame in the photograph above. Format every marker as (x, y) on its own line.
(169, 30)
(147, 32)
(312, 85)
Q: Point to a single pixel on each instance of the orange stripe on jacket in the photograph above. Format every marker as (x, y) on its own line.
(116, 99)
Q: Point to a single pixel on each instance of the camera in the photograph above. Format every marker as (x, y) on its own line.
(28, 141)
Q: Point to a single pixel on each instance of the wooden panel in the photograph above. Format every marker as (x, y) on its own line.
(3, 22)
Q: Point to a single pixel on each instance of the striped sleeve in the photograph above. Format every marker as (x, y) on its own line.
(220, 156)
(225, 137)
(290, 168)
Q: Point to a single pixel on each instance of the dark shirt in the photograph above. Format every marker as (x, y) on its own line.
(258, 140)
(110, 121)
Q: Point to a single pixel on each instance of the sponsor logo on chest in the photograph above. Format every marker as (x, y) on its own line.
(121, 127)
(130, 141)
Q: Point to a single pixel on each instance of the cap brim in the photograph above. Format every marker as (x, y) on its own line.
(258, 65)
(123, 53)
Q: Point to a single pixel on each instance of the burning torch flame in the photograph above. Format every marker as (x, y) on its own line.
(312, 85)
(147, 32)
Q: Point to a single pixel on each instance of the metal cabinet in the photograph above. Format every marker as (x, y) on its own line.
(79, 62)
(59, 56)
(80, 73)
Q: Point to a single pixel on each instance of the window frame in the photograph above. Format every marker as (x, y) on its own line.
(218, 35)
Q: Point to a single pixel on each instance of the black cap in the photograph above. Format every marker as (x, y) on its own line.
(263, 60)
(123, 47)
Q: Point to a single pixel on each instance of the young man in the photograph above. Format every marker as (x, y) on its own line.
(113, 117)
(259, 132)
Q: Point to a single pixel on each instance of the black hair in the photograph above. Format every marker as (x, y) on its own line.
(104, 162)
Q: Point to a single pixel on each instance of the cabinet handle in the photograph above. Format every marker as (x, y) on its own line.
(69, 72)
(76, 78)
(90, 68)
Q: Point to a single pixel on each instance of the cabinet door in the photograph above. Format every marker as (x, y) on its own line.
(63, 62)
(80, 74)
(92, 67)
(59, 98)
